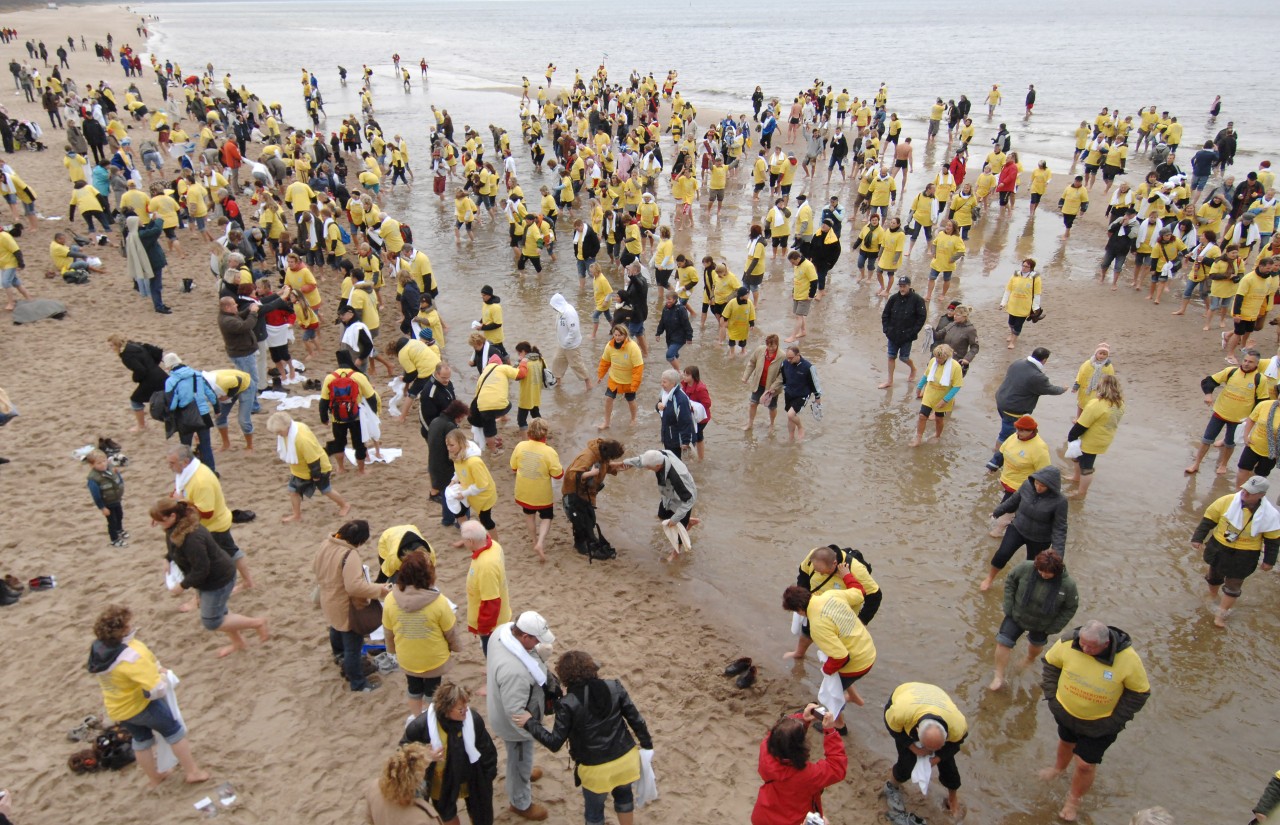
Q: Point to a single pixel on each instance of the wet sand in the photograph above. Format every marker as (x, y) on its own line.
(279, 723)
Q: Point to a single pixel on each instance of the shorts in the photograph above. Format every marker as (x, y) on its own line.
(137, 406)
(544, 513)
(213, 605)
(601, 313)
(791, 403)
(1109, 172)
(900, 351)
(280, 353)
(1016, 323)
(732, 344)
(794, 120)
(925, 412)
(1229, 568)
(673, 350)
(306, 488)
(759, 394)
(1158, 276)
(199, 222)
(800, 308)
(155, 717)
(663, 277)
(485, 517)
(1220, 303)
(1215, 426)
(759, 187)
(224, 540)
(934, 125)
(716, 309)
(489, 420)
(946, 276)
(866, 260)
(1035, 198)
(847, 680)
(778, 242)
(1141, 259)
(171, 232)
(1010, 631)
(717, 195)
(636, 328)
(1086, 462)
(1198, 182)
(1088, 748)
(1090, 169)
(422, 687)
(902, 164)
(309, 334)
(9, 278)
(1068, 220)
(1258, 465)
(752, 282)
(700, 434)
(612, 392)
(1246, 327)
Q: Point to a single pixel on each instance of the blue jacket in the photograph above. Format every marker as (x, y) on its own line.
(677, 420)
(799, 380)
(184, 390)
(1202, 162)
(101, 181)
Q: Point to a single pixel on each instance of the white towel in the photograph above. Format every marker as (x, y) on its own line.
(830, 691)
(297, 402)
(678, 536)
(287, 445)
(174, 577)
(647, 787)
(1273, 368)
(351, 335)
(397, 389)
(272, 395)
(922, 773)
(1265, 519)
(797, 624)
(382, 455)
(468, 733)
(536, 669)
(181, 479)
(370, 425)
(452, 497)
(279, 334)
(944, 380)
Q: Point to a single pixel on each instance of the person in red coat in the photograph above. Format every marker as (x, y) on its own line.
(1007, 182)
(792, 784)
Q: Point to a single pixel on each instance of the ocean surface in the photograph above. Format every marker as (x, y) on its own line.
(1202, 746)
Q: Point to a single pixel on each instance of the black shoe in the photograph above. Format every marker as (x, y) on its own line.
(164, 311)
(3, 460)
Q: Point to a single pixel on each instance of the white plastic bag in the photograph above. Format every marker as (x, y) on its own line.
(1074, 450)
(165, 758)
(647, 787)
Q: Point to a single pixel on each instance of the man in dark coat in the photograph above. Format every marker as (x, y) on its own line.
(901, 319)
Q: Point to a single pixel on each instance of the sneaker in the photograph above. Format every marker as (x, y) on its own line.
(370, 686)
(120, 542)
(124, 534)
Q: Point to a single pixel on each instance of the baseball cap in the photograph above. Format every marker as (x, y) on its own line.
(536, 626)
(904, 280)
(1256, 484)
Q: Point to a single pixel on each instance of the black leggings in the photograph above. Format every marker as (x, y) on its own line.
(948, 773)
(1012, 541)
(339, 443)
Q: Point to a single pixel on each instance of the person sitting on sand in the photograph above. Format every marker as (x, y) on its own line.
(206, 568)
(309, 467)
(133, 686)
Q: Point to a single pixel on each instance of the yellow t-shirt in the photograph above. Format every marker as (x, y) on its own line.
(303, 277)
(1089, 689)
(739, 317)
(1255, 290)
(891, 250)
(1083, 376)
(486, 581)
(913, 701)
(309, 451)
(492, 314)
(8, 248)
(1073, 198)
(389, 547)
(473, 472)
(365, 303)
(837, 631)
(1021, 459)
(1102, 418)
(1022, 292)
(834, 582)
(946, 247)
(165, 208)
(802, 275)
(1258, 440)
(535, 464)
(421, 645)
(231, 382)
(623, 362)
(934, 391)
(123, 685)
(1239, 393)
(205, 492)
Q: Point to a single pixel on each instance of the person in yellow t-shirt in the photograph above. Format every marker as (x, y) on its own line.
(1073, 203)
(133, 686)
(1021, 297)
(535, 464)
(1095, 684)
(1243, 386)
(1095, 429)
(948, 249)
(1236, 529)
(623, 362)
(836, 630)
(1262, 441)
(1025, 452)
(937, 389)
(477, 491)
(804, 284)
(421, 630)
(925, 723)
(1089, 374)
(309, 466)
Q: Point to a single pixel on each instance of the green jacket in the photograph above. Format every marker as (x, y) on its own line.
(1039, 604)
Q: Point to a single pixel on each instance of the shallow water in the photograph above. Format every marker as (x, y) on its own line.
(919, 515)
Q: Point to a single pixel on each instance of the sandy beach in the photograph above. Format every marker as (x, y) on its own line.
(280, 725)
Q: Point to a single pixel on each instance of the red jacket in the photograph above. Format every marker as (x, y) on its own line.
(1008, 180)
(788, 795)
(231, 155)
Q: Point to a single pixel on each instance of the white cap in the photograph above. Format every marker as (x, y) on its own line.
(170, 361)
(1255, 485)
(533, 624)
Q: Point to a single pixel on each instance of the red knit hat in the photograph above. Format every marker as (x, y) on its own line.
(1026, 422)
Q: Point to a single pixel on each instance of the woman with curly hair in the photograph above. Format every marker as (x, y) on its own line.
(594, 717)
(392, 798)
(792, 784)
(206, 568)
(133, 685)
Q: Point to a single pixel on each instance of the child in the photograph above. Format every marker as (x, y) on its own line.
(530, 385)
(107, 488)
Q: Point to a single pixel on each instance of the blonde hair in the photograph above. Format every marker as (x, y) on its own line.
(538, 430)
(448, 695)
(942, 353)
(117, 342)
(403, 774)
(1109, 390)
(279, 423)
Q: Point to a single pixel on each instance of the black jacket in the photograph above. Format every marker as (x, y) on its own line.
(439, 465)
(594, 719)
(1039, 516)
(675, 324)
(143, 361)
(903, 316)
(203, 562)
(457, 767)
(636, 298)
(590, 242)
(824, 255)
(94, 134)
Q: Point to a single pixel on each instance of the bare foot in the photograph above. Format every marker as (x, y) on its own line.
(197, 778)
(264, 633)
(344, 509)
(694, 522)
(1179, 312)
(458, 544)
(187, 606)
(1157, 303)
(360, 471)
(996, 684)
(137, 429)
(537, 548)
(1222, 470)
(1048, 774)
(159, 778)
(227, 650)
(1069, 810)
(287, 519)
(603, 426)
(1219, 618)
(853, 696)
(1009, 347)
(986, 584)
(792, 655)
(746, 428)
(915, 442)
(1192, 470)
(1114, 288)
(239, 586)
(886, 385)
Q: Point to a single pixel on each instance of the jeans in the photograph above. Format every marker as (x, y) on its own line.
(448, 519)
(623, 802)
(260, 366)
(347, 644)
(1006, 430)
(206, 445)
(520, 774)
(583, 265)
(154, 718)
(157, 284)
(115, 520)
(248, 398)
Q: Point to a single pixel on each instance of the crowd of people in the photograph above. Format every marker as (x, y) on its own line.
(294, 230)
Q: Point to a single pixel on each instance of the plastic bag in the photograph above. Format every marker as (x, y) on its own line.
(1074, 450)
(647, 787)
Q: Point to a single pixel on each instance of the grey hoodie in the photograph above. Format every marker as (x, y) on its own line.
(1039, 517)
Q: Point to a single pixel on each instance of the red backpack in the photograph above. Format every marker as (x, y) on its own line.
(344, 398)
